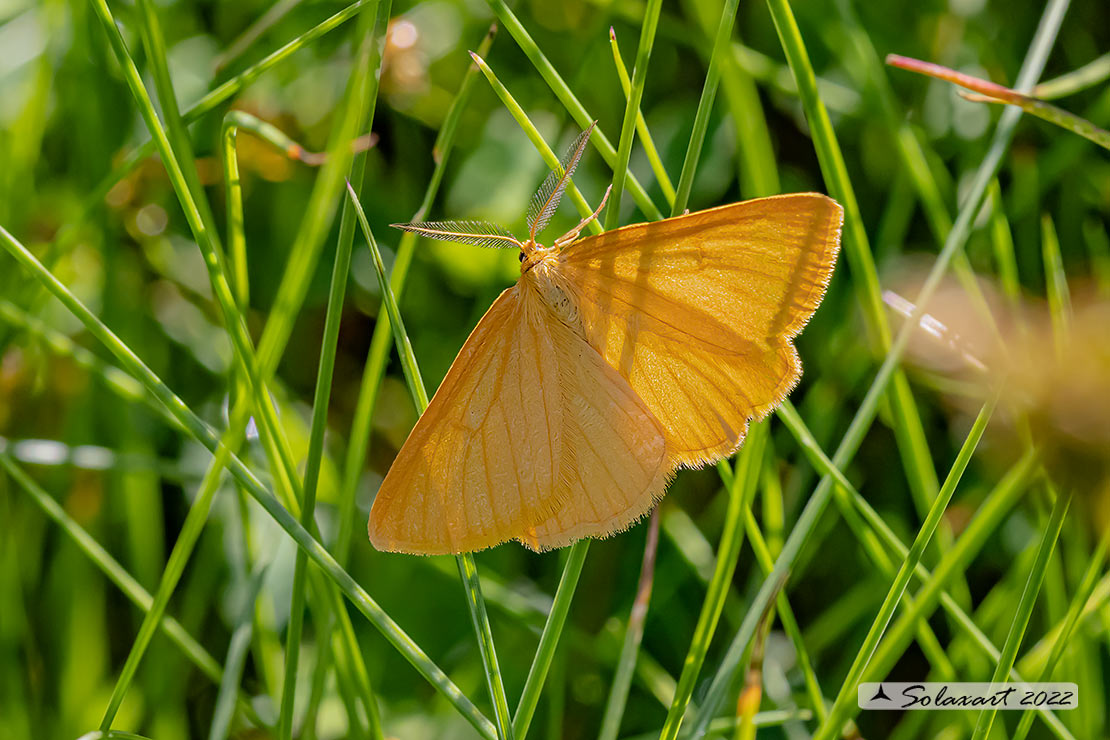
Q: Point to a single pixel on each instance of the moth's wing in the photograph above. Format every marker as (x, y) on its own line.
(698, 311)
(615, 465)
(482, 461)
(489, 458)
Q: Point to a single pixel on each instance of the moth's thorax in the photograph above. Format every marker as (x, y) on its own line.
(539, 272)
(533, 255)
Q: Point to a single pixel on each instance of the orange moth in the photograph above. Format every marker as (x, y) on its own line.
(614, 360)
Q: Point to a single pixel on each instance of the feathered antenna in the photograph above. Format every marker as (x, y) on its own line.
(547, 198)
(478, 233)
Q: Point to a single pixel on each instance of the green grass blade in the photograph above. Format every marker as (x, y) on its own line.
(320, 403)
(562, 91)
(123, 580)
(705, 107)
(549, 639)
(1089, 75)
(641, 125)
(740, 492)
(758, 172)
(1024, 608)
(1046, 33)
(468, 573)
(1075, 610)
(632, 110)
(533, 134)
(831, 727)
(175, 566)
(633, 636)
(360, 704)
(204, 106)
(355, 116)
(1056, 281)
(176, 131)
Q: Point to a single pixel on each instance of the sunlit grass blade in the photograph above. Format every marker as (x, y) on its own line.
(955, 561)
(533, 134)
(244, 40)
(1075, 610)
(642, 131)
(361, 706)
(320, 403)
(632, 110)
(175, 566)
(233, 122)
(1056, 284)
(758, 170)
(468, 570)
(1046, 34)
(205, 105)
(354, 117)
(1090, 74)
(175, 128)
(513, 25)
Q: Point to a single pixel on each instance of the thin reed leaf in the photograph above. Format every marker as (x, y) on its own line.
(320, 403)
(1056, 282)
(123, 580)
(175, 566)
(355, 116)
(1090, 74)
(201, 108)
(1076, 607)
(990, 92)
(1046, 34)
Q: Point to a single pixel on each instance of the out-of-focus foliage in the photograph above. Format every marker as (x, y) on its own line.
(127, 477)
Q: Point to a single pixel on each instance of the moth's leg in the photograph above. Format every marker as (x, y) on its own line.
(571, 235)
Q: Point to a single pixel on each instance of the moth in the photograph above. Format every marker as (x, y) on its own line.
(614, 361)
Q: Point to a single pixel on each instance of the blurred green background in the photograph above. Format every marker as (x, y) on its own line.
(127, 477)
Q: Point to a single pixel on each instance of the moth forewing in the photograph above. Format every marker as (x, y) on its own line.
(478, 233)
(547, 198)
